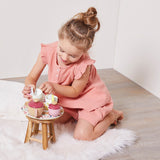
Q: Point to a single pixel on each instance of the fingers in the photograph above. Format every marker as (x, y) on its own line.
(48, 91)
(27, 90)
(28, 96)
(46, 87)
(32, 86)
(42, 86)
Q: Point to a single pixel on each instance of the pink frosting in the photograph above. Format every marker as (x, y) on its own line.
(52, 106)
(35, 104)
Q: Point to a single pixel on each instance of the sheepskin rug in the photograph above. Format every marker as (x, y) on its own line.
(13, 125)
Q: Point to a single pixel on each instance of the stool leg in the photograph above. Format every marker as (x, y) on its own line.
(44, 136)
(36, 128)
(51, 132)
(29, 131)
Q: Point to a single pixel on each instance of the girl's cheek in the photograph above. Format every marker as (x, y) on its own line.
(75, 59)
(58, 51)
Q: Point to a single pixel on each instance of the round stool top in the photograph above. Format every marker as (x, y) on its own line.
(45, 115)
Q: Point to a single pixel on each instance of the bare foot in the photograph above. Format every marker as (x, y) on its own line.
(118, 116)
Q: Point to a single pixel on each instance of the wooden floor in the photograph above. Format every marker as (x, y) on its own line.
(141, 114)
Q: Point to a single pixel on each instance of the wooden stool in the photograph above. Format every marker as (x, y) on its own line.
(33, 129)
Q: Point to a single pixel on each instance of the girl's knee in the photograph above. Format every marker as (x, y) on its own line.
(83, 130)
(65, 118)
(82, 134)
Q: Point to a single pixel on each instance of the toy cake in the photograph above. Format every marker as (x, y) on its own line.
(54, 110)
(35, 109)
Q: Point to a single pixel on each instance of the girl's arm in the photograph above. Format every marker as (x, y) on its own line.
(36, 71)
(33, 76)
(72, 91)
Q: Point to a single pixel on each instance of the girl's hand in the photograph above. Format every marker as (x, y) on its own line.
(27, 91)
(47, 87)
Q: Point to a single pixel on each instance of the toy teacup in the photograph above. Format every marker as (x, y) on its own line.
(50, 99)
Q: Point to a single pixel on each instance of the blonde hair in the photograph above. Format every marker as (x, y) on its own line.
(81, 29)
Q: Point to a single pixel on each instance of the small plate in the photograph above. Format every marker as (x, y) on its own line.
(45, 115)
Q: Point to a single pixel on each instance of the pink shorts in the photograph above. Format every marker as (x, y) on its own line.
(93, 116)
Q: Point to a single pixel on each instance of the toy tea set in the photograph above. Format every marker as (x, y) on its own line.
(42, 106)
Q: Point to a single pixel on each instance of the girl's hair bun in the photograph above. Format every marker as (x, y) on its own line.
(90, 18)
(81, 29)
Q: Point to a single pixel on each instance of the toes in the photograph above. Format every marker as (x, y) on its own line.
(115, 122)
(120, 115)
(120, 118)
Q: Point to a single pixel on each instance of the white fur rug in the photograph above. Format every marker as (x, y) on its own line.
(13, 128)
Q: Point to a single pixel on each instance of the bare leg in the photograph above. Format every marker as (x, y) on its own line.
(64, 119)
(85, 131)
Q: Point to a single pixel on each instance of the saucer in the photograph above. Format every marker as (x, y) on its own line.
(45, 114)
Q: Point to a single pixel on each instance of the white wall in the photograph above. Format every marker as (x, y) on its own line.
(26, 24)
(138, 43)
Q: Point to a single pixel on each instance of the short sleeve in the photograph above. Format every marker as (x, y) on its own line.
(47, 50)
(81, 68)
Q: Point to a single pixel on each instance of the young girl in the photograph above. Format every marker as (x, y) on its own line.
(74, 79)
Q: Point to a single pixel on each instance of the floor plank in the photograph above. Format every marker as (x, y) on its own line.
(141, 114)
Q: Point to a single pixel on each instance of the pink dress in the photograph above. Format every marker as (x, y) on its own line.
(95, 102)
